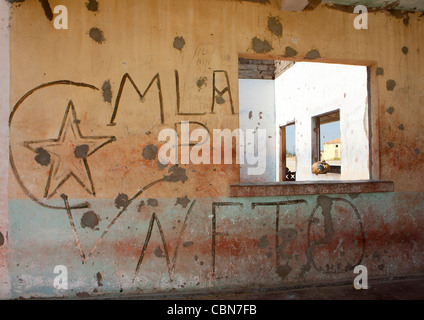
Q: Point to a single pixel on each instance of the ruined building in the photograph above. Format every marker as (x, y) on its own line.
(92, 91)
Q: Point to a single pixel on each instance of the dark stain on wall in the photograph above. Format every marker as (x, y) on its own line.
(390, 144)
(287, 235)
(99, 279)
(150, 152)
(179, 43)
(188, 244)
(290, 52)
(401, 127)
(92, 5)
(83, 295)
(1, 239)
(376, 255)
(152, 202)
(390, 85)
(42, 157)
(283, 271)
(158, 252)
(261, 46)
(406, 19)
(141, 205)
(390, 110)
(275, 26)
(219, 99)
(313, 54)
(263, 242)
(107, 91)
(121, 200)
(177, 174)
(184, 201)
(201, 82)
(97, 35)
(161, 166)
(405, 50)
(400, 14)
(81, 151)
(417, 151)
(379, 71)
(89, 220)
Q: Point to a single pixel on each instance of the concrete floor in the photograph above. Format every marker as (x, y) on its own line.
(411, 289)
(405, 288)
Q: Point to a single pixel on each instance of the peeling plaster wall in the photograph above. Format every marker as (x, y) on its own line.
(126, 69)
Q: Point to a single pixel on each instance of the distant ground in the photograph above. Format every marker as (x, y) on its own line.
(291, 163)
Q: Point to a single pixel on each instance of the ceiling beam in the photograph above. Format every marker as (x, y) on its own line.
(293, 5)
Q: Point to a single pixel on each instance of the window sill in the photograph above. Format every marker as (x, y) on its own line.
(295, 188)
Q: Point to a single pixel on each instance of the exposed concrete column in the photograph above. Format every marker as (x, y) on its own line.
(293, 5)
(4, 144)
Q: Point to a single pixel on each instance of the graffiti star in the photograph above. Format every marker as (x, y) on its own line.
(67, 155)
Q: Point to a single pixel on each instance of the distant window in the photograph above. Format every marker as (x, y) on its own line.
(325, 138)
(288, 161)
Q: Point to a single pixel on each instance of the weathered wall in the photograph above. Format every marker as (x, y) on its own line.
(122, 198)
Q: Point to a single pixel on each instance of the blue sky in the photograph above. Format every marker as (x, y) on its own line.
(329, 131)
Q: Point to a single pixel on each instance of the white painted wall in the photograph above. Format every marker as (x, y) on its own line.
(257, 111)
(4, 142)
(310, 89)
